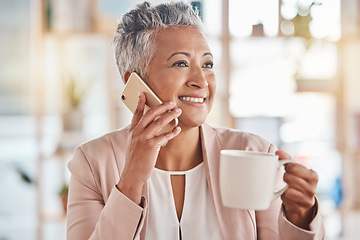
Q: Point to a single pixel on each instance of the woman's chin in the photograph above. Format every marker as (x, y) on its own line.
(191, 123)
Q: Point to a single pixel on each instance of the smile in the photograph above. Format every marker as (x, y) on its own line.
(192, 99)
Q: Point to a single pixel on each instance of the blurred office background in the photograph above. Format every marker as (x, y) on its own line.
(286, 69)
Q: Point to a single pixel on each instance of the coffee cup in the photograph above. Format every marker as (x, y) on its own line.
(248, 179)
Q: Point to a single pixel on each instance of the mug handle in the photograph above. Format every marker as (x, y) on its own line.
(282, 190)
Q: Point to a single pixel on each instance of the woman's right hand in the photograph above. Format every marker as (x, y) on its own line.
(144, 145)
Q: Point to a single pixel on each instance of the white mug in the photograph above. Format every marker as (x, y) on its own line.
(247, 179)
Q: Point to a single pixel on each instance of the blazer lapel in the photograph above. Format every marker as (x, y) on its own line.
(234, 223)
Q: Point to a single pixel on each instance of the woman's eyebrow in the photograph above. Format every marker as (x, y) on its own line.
(187, 54)
(208, 53)
(181, 53)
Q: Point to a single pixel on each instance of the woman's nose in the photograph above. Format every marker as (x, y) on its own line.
(197, 79)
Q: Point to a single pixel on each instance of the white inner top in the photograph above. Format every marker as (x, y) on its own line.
(198, 219)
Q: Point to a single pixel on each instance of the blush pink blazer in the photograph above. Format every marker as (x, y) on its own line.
(97, 210)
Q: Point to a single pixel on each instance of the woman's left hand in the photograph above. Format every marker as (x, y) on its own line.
(299, 199)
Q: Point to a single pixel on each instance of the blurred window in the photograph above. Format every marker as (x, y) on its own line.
(283, 82)
(245, 14)
(15, 47)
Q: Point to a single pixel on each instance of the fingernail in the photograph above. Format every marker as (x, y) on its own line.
(172, 103)
(178, 110)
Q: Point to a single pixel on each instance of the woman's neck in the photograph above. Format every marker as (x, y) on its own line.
(181, 153)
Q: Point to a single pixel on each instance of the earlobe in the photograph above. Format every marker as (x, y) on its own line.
(127, 75)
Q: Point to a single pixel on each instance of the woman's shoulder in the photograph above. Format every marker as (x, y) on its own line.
(98, 162)
(117, 138)
(101, 151)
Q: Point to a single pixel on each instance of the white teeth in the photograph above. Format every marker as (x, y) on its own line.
(192, 99)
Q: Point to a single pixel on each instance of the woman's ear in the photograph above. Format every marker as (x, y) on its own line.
(126, 76)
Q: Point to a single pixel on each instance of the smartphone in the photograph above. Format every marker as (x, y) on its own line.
(130, 97)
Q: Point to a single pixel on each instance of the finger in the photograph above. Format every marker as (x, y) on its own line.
(290, 199)
(289, 205)
(300, 184)
(293, 207)
(164, 138)
(303, 172)
(152, 113)
(293, 197)
(139, 111)
(162, 121)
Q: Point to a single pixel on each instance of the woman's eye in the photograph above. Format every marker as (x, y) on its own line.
(209, 64)
(180, 64)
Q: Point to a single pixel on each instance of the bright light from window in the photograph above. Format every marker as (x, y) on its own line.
(212, 16)
(288, 10)
(319, 62)
(325, 15)
(319, 126)
(244, 14)
(287, 27)
(326, 21)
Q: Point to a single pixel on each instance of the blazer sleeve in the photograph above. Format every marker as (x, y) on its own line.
(269, 228)
(89, 216)
(317, 230)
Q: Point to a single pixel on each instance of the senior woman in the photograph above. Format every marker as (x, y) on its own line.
(136, 184)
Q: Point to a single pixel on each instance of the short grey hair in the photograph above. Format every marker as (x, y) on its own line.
(135, 38)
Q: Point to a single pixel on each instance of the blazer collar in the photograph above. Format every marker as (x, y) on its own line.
(234, 223)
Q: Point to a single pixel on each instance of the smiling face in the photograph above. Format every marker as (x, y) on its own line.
(181, 70)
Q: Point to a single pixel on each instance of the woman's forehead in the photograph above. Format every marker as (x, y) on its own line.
(180, 39)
